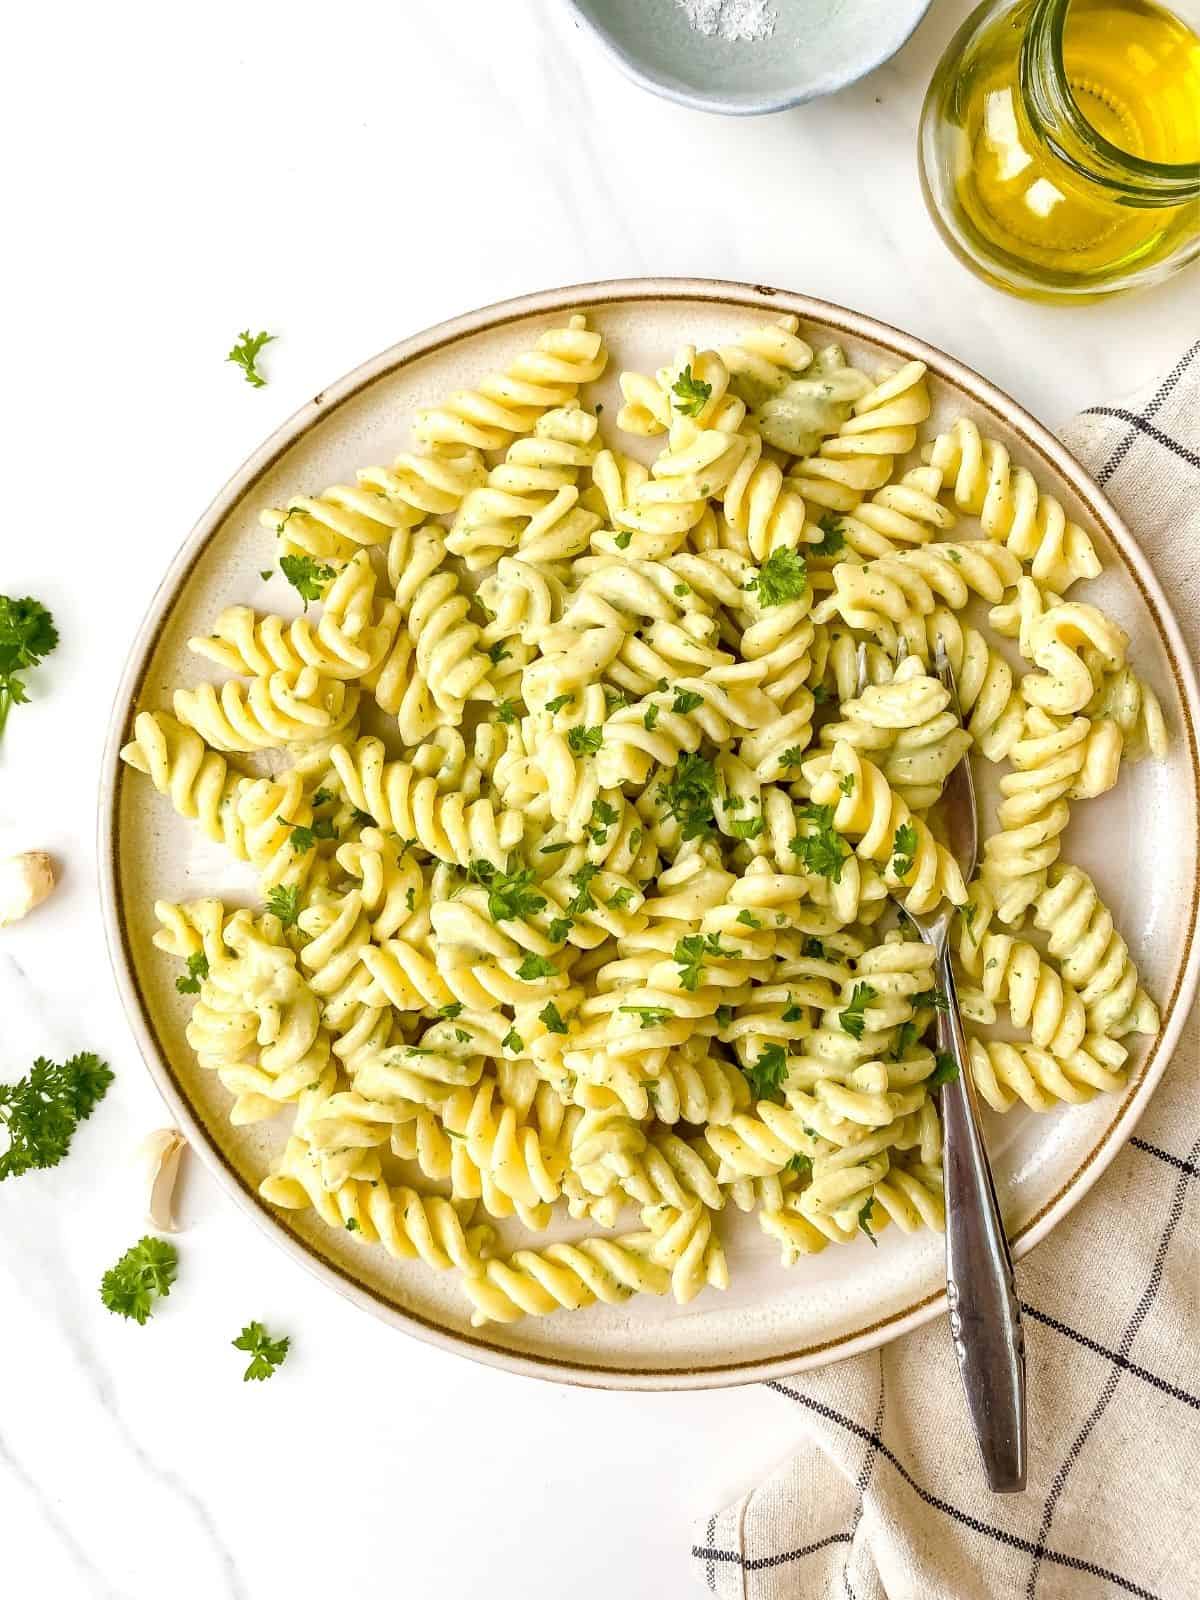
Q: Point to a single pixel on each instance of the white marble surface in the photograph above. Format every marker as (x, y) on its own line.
(345, 176)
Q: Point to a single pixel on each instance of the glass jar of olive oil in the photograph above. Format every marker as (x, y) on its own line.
(1060, 145)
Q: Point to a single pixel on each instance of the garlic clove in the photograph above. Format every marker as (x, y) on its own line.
(160, 1154)
(25, 881)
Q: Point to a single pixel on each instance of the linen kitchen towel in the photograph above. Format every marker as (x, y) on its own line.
(886, 1497)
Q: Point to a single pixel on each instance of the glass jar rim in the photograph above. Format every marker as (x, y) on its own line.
(1054, 110)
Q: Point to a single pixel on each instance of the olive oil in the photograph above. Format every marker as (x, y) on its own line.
(1050, 161)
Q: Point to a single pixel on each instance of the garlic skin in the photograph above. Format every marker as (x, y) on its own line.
(160, 1154)
(25, 881)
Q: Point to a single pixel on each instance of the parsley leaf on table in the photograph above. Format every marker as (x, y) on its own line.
(40, 1112)
(266, 1354)
(144, 1274)
(245, 353)
(27, 635)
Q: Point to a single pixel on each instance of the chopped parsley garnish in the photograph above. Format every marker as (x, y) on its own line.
(583, 896)
(823, 851)
(559, 701)
(864, 1220)
(690, 953)
(968, 913)
(308, 577)
(323, 797)
(410, 899)
(245, 354)
(621, 899)
(533, 967)
(814, 949)
(27, 635)
(783, 576)
(266, 1354)
(934, 999)
(510, 896)
(323, 828)
(906, 1036)
(549, 1014)
(904, 849)
(650, 719)
(41, 1111)
(498, 652)
(854, 1018)
(686, 700)
(558, 930)
(454, 1009)
(792, 757)
(513, 1041)
(555, 849)
(691, 394)
(847, 784)
(767, 1075)
(602, 818)
(724, 1016)
(945, 1070)
(506, 711)
(197, 969)
(834, 539)
(749, 829)
(792, 1012)
(585, 741)
(749, 919)
(623, 540)
(688, 796)
(301, 839)
(144, 1274)
(462, 1036)
(284, 903)
(652, 1016)
(800, 1164)
(820, 693)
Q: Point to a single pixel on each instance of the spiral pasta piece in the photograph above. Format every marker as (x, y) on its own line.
(343, 519)
(883, 828)
(859, 457)
(268, 713)
(1011, 507)
(535, 1283)
(1083, 938)
(891, 596)
(350, 640)
(398, 798)
(504, 404)
(1052, 763)
(1004, 1073)
(530, 502)
(199, 783)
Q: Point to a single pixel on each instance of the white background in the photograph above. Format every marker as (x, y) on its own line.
(343, 176)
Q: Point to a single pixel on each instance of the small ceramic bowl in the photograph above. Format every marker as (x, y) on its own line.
(814, 48)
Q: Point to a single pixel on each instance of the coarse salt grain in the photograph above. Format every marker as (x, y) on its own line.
(738, 21)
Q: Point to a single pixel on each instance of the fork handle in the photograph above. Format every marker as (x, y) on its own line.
(985, 1318)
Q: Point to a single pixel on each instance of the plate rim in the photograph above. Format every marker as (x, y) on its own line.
(607, 292)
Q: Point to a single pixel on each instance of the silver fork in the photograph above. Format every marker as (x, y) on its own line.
(985, 1318)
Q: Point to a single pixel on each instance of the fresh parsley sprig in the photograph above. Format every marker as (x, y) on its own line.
(143, 1275)
(267, 1355)
(854, 1018)
(309, 578)
(783, 576)
(767, 1075)
(40, 1112)
(27, 636)
(245, 354)
(691, 394)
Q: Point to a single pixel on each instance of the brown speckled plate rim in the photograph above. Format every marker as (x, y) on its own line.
(1037, 440)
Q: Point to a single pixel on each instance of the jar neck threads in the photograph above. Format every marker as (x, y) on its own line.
(1055, 117)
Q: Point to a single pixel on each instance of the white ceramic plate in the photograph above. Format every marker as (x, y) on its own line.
(1141, 842)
